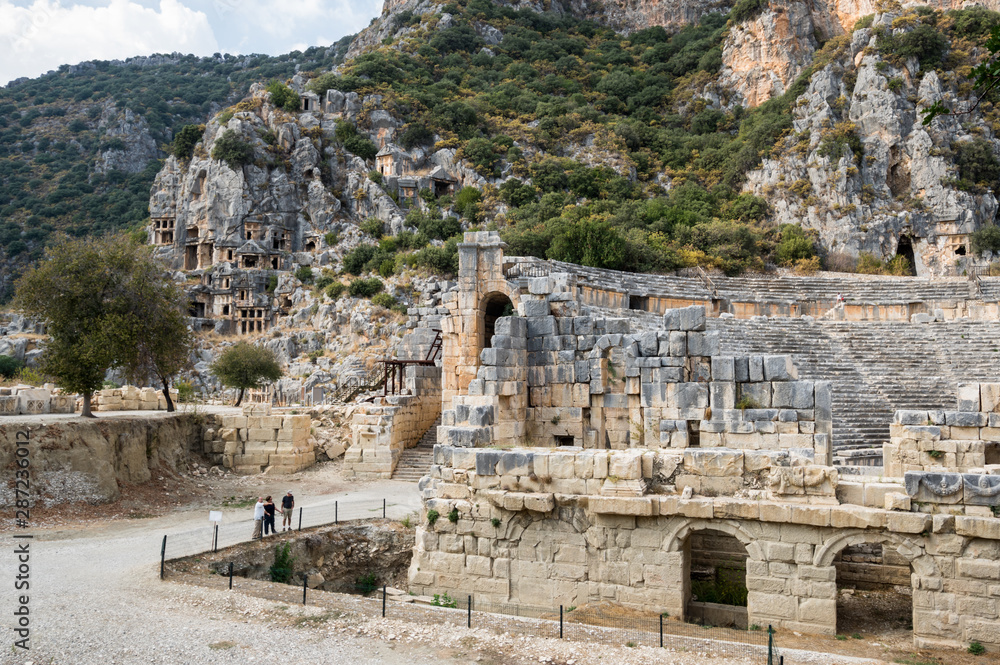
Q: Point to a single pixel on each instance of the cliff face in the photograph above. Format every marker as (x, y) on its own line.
(864, 172)
(762, 56)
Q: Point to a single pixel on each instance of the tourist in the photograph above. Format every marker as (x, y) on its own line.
(840, 299)
(287, 504)
(258, 517)
(269, 516)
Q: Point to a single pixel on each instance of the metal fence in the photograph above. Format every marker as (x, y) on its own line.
(213, 537)
(609, 624)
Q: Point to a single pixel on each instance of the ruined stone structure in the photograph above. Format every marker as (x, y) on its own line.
(28, 400)
(258, 440)
(598, 443)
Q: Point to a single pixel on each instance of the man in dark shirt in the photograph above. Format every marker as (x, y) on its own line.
(287, 504)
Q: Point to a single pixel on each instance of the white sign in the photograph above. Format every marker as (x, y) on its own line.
(215, 516)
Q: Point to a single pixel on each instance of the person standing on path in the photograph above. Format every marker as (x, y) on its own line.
(258, 517)
(269, 516)
(287, 505)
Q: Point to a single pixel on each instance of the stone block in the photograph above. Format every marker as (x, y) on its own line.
(897, 501)
(792, 394)
(969, 397)
(779, 368)
(718, 462)
(723, 368)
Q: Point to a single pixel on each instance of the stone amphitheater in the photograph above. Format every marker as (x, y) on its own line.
(744, 451)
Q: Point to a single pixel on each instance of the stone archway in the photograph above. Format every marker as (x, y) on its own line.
(494, 305)
(874, 576)
(708, 550)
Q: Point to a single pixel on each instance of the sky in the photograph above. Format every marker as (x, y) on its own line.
(39, 35)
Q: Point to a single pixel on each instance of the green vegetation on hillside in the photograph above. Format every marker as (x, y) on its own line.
(51, 135)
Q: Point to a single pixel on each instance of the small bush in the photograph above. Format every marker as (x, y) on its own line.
(375, 177)
(283, 97)
(356, 259)
(986, 239)
(444, 600)
(745, 10)
(365, 288)
(432, 516)
(185, 391)
(367, 583)
(373, 226)
(9, 367)
(281, 569)
(387, 268)
(453, 515)
(331, 238)
(354, 142)
(304, 274)
(185, 141)
(495, 522)
(324, 280)
(233, 150)
(976, 648)
(384, 300)
(335, 290)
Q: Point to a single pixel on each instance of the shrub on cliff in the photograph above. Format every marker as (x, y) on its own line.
(233, 150)
(186, 140)
(283, 97)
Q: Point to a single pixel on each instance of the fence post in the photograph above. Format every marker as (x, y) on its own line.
(560, 622)
(383, 601)
(305, 580)
(469, 623)
(163, 555)
(230, 574)
(770, 645)
(215, 538)
(383, 508)
(661, 630)
(336, 519)
(300, 518)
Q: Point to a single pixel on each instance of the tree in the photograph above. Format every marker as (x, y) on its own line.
(152, 339)
(185, 141)
(986, 75)
(83, 290)
(245, 366)
(233, 150)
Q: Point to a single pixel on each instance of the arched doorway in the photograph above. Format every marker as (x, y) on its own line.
(905, 250)
(494, 306)
(716, 584)
(875, 577)
(874, 590)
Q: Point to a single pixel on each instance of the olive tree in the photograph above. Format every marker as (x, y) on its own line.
(244, 366)
(106, 305)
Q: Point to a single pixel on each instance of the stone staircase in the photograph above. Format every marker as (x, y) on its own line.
(875, 368)
(415, 463)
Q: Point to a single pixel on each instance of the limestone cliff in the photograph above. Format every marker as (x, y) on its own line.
(862, 170)
(762, 56)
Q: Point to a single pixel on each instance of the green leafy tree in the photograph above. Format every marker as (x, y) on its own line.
(9, 367)
(152, 340)
(244, 366)
(283, 97)
(986, 76)
(233, 150)
(185, 141)
(105, 306)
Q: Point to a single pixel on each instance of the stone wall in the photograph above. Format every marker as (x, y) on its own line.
(964, 440)
(131, 398)
(555, 377)
(524, 539)
(29, 400)
(383, 429)
(89, 460)
(258, 441)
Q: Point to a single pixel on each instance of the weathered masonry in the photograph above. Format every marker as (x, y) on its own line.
(587, 455)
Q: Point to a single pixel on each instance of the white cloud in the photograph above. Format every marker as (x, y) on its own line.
(44, 35)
